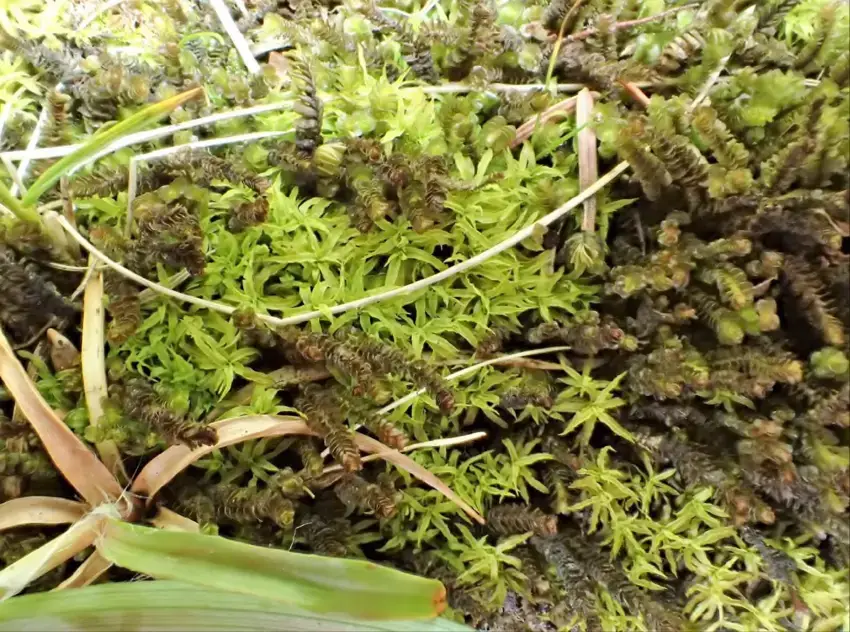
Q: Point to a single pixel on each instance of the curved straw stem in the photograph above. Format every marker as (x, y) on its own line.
(449, 272)
(472, 369)
(39, 510)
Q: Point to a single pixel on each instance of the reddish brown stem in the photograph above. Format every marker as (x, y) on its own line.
(620, 26)
(636, 93)
(561, 109)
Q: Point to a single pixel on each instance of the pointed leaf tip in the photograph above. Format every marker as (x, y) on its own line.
(356, 588)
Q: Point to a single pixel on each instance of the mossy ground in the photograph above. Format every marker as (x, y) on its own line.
(692, 441)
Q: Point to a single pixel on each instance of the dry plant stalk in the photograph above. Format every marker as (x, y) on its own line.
(588, 166)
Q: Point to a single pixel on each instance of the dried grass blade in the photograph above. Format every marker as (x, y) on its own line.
(74, 460)
(167, 519)
(40, 510)
(164, 467)
(87, 572)
(588, 166)
(368, 444)
(562, 109)
(79, 536)
(94, 368)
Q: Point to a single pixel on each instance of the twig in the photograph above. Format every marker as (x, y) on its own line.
(160, 153)
(148, 135)
(634, 91)
(559, 110)
(619, 26)
(518, 237)
(588, 167)
(65, 267)
(436, 443)
(449, 272)
(460, 88)
(239, 41)
(98, 12)
(521, 363)
(175, 280)
(194, 300)
(32, 144)
(709, 84)
(429, 7)
(472, 369)
(86, 278)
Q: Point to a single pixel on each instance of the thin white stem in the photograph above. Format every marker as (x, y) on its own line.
(24, 165)
(393, 10)
(76, 236)
(98, 12)
(491, 252)
(13, 173)
(429, 7)
(239, 41)
(175, 280)
(149, 135)
(472, 369)
(435, 443)
(210, 142)
(709, 84)
(132, 186)
(86, 278)
(65, 267)
(461, 373)
(267, 47)
(50, 206)
(462, 88)
(133, 182)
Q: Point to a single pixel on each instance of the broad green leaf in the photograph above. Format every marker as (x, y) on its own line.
(319, 584)
(162, 606)
(140, 119)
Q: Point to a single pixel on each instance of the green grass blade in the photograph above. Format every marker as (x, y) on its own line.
(139, 120)
(163, 606)
(356, 588)
(14, 204)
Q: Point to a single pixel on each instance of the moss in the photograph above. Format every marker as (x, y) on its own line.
(691, 439)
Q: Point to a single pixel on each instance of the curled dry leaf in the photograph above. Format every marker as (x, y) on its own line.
(74, 460)
(79, 536)
(87, 572)
(39, 510)
(163, 468)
